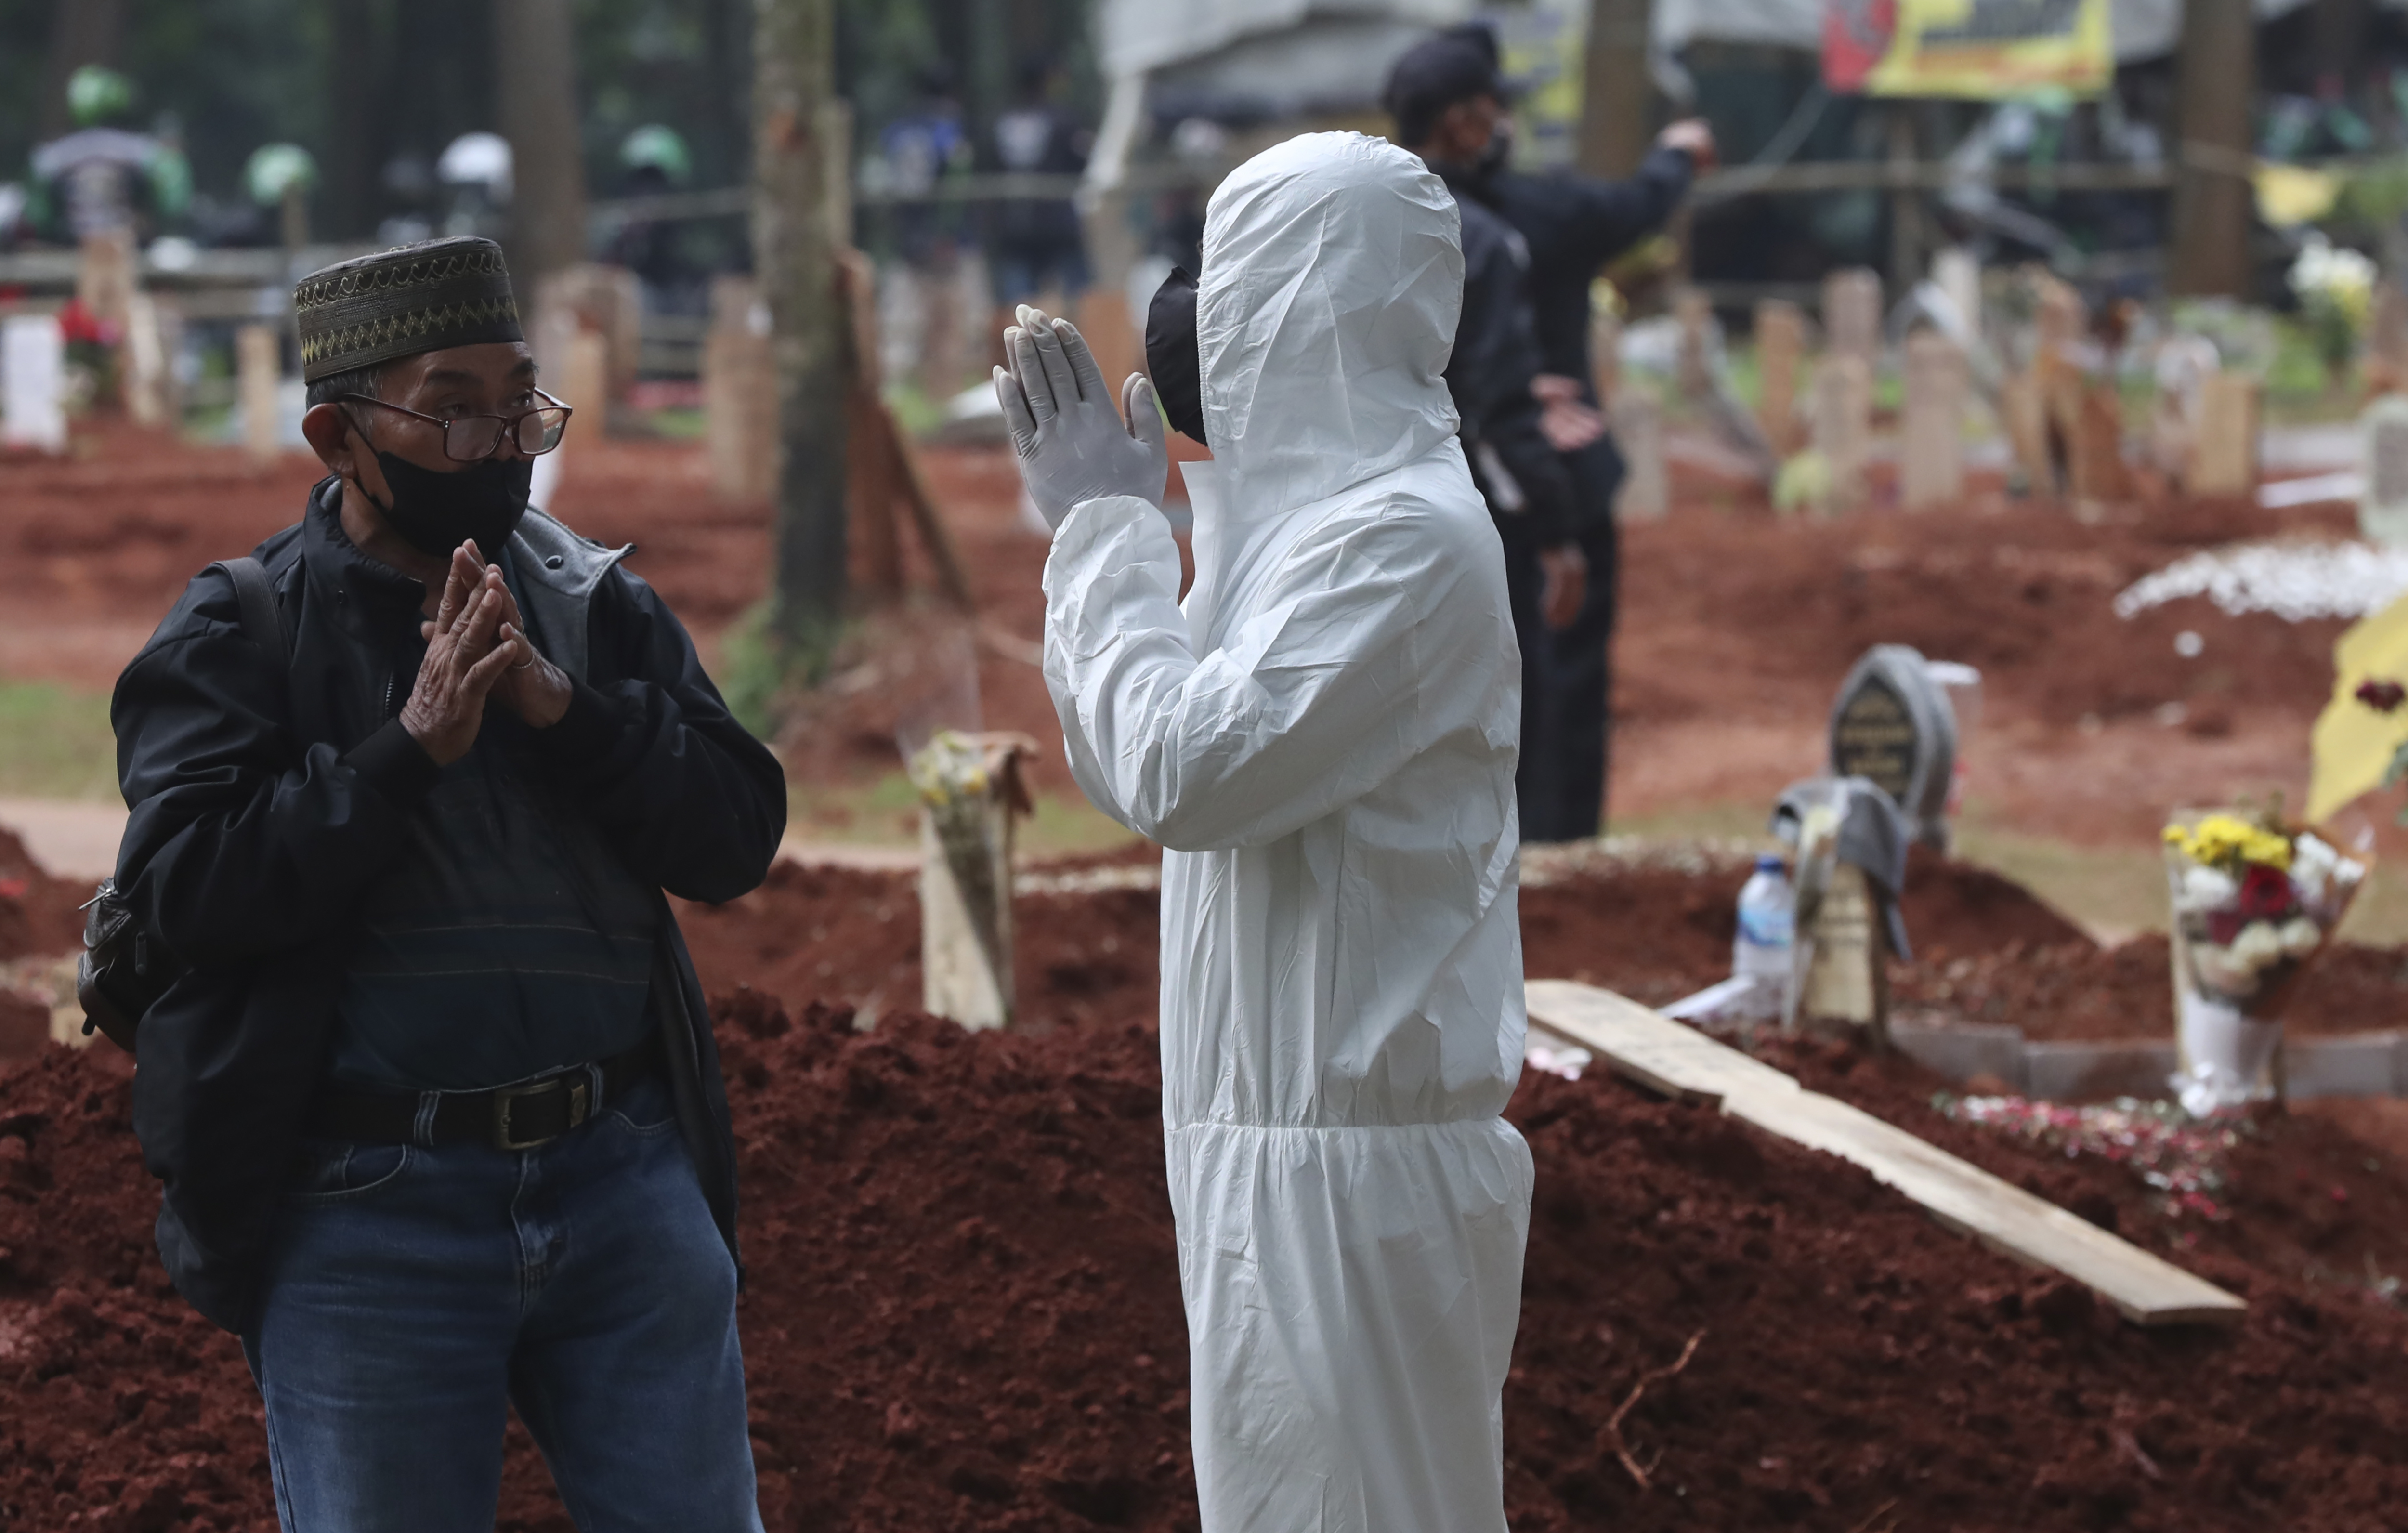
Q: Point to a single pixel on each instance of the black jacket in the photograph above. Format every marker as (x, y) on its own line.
(1488, 376)
(264, 805)
(1573, 226)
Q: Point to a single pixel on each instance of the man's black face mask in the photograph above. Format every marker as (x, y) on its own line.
(1171, 358)
(435, 513)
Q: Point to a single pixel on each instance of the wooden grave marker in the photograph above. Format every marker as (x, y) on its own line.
(1932, 471)
(2224, 459)
(1852, 314)
(259, 372)
(1843, 425)
(1637, 423)
(1779, 348)
(2383, 459)
(740, 391)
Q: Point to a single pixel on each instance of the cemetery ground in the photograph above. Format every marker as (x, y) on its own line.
(962, 1311)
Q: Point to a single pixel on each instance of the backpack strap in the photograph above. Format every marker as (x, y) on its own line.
(260, 621)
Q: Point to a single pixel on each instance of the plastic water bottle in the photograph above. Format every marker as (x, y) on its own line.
(1760, 948)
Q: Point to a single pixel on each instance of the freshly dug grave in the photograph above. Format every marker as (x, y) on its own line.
(964, 1315)
(39, 914)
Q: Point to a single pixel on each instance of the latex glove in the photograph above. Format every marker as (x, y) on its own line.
(1072, 445)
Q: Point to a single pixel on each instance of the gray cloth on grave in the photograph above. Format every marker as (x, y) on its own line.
(1873, 836)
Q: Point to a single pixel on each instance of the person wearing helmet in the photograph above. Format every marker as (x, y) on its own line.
(105, 179)
(1323, 739)
(656, 160)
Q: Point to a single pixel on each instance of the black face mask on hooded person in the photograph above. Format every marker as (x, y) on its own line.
(435, 513)
(1499, 149)
(1172, 358)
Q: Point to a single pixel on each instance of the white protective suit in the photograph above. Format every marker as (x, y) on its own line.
(1323, 740)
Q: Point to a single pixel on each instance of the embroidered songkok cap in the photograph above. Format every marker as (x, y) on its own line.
(403, 301)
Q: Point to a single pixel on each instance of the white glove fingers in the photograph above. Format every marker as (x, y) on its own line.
(1082, 362)
(1016, 416)
(1145, 425)
(1035, 385)
(1057, 362)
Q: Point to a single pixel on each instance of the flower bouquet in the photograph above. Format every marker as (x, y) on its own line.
(2254, 902)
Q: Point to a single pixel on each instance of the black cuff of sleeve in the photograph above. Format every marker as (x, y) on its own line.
(394, 765)
(588, 730)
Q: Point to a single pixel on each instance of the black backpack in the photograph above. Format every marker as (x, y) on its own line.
(124, 970)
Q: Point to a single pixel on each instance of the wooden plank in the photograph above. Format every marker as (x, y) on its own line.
(2144, 1288)
(1668, 1057)
(1679, 1061)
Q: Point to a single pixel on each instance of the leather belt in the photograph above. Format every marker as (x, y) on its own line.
(524, 1116)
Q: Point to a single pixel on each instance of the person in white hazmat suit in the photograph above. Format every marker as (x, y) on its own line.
(1323, 742)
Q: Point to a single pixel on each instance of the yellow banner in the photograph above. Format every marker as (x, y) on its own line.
(1995, 50)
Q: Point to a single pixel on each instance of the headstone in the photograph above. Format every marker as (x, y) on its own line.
(2183, 366)
(1852, 316)
(2025, 416)
(740, 393)
(1695, 318)
(1638, 423)
(585, 379)
(105, 277)
(258, 370)
(32, 383)
(2060, 313)
(606, 301)
(2224, 461)
(2383, 459)
(1958, 272)
(149, 344)
(2095, 452)
(966, 874)
(1839, 981)
(1846, 987)
(1604, 351)
(1843, 427)
(1932, 468)
(1780, 345)
(1891, 724)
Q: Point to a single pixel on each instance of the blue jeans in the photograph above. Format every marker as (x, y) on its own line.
(415, 1292)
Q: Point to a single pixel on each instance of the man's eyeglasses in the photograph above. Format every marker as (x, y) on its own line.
(473, 438)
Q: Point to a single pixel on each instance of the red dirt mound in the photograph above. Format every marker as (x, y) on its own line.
(38, 913)
(2079, 990)
(964, 1317)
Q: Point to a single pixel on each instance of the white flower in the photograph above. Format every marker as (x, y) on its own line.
(2326, 270)
(2300, 937)
(2219, 971)
(2204, 888)
(2258, 945)
(2312, 863)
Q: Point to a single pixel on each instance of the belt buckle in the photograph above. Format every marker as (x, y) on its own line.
(579, 1107)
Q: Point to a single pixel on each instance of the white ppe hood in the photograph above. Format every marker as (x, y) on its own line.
(1325, 742)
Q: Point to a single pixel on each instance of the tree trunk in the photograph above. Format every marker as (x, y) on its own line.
(2215, 83)
(1615, 90)
(535, 46)
(81, 32)
(798, 203)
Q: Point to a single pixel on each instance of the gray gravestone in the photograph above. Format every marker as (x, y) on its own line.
(1892, 723)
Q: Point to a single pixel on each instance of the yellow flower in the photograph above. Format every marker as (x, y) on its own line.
(2227, 840)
